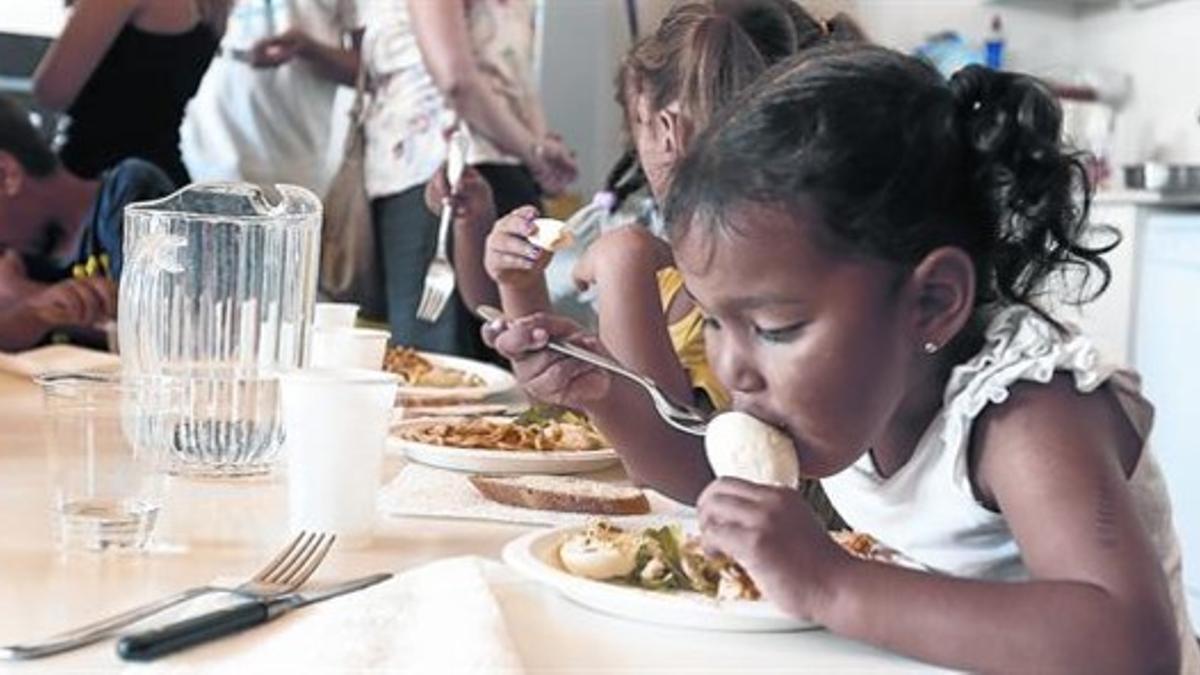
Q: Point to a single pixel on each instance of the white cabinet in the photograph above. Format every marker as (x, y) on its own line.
(1149, 318)
(1109, 319)
(1167, 353)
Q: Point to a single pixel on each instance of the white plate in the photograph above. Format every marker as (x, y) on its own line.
(496, 380)
(535, 555)
(491, 460)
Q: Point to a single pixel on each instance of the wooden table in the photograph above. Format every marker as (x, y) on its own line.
(221, 530)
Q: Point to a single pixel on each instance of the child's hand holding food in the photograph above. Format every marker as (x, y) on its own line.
(773, 534)
(510, 257)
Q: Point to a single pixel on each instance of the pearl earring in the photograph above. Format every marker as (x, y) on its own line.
(930, 347)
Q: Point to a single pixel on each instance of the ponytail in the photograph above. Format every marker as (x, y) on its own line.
(1011, 127)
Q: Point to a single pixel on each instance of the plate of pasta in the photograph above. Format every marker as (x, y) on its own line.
(540, 440)
(428, 377)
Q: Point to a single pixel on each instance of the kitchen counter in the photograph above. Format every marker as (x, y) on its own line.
(1148, 198)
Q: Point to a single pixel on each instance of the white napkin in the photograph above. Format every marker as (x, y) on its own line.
(438, 618)
(420, 490)
(54, 358)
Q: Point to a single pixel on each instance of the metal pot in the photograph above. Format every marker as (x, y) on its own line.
(1173, 178)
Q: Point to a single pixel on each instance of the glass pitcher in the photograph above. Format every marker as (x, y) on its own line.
(216, 298)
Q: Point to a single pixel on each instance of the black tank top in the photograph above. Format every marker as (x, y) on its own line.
(132, 106)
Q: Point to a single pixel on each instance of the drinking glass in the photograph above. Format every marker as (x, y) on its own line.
(101, 436)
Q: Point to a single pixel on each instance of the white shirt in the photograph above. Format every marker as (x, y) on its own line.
(270, 124)
(928, 510)
(407, 119)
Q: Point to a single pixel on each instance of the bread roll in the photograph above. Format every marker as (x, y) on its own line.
(551, 234)
(742, 446)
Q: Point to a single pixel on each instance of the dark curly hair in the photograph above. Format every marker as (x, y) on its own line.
(899, 162)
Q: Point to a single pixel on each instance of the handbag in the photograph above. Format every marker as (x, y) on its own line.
(350, 269)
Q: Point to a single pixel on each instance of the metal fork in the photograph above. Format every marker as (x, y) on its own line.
(439, 278)
(284, 574)
(685, 418)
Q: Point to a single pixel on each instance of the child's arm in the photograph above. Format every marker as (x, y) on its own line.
(1097, 599)
(72, 302)
(623, 265)
(654, 454)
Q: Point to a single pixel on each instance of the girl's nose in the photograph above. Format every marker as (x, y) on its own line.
(734, 366)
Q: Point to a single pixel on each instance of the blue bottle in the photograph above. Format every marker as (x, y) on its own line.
(994, 45)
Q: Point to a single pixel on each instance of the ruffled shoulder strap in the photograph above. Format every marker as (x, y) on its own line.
(1019, 345)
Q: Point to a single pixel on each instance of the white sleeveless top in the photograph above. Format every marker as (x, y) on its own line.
(928, 510)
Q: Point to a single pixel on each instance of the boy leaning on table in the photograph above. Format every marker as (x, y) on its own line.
(60, 236)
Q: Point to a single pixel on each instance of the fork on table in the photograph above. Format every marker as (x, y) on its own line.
(284, 574)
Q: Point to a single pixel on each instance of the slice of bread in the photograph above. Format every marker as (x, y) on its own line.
(551, 234)
(562, 493)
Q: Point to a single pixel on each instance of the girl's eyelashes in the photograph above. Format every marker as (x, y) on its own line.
(778, 335)
(782, 334)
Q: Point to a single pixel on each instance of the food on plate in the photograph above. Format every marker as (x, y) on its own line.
(665, 559)
(658, 559)
(743, 446)
(562, 493)
(538, 429)
(551, 234)
(601, 552)
(417, 371)
(862, 545)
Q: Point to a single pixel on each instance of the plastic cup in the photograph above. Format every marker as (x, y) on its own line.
(336, 422)
(348, 348)
(335, 314)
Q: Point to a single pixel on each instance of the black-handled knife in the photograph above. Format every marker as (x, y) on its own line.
(151, 644)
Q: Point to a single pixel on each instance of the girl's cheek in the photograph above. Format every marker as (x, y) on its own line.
(719, 350)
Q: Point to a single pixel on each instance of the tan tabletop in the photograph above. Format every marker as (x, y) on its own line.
(221, 530)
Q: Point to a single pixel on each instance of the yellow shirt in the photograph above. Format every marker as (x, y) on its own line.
(687, 337)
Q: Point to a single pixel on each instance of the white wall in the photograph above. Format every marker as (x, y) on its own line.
(583, 41)
(1039, 42)
(32, 17)
(1160, 47)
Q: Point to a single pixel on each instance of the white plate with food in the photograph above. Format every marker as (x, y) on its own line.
(427, 377)
(646, 588)
(533, 442)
